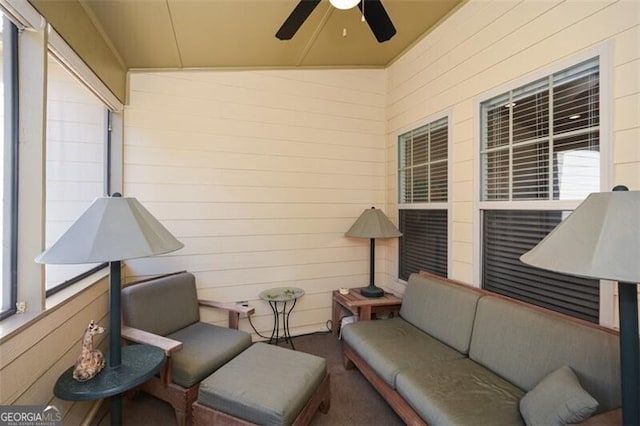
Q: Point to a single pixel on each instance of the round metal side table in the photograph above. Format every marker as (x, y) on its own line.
(282, 301)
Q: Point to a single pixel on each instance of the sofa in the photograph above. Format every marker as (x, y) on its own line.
(457, 355)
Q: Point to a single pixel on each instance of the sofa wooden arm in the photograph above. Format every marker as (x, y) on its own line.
(140, 336)
(608, 418)
(233, 308)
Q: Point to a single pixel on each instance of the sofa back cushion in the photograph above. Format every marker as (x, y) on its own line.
(524, 344)
(161, 306)
(441, 309)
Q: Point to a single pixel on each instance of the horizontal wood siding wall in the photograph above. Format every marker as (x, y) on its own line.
(259, 174)
(487, 44)
(32, 359)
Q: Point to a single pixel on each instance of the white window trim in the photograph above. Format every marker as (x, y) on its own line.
(23, 15)
(604, 52)
(70, 60)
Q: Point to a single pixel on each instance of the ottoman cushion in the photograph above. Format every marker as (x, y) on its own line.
(265, 384)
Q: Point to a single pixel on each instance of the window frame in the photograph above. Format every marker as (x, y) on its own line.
(10, 178)
(106, 164)
(604, 54)
(35, 39)
(434, 205)
(549, 142)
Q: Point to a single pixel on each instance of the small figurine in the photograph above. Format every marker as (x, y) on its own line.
(91, 361)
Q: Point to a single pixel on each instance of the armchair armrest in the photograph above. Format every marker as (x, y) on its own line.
(233, 308)
(140, 336)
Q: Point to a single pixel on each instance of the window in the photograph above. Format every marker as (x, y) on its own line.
(76, 140)
(541, 141)
(423, 163)
(540, 147)
(8, 157)
(505, 274)
(423, 245)
(423, 195)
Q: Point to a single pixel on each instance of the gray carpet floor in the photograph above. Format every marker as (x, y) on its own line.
(354, 401)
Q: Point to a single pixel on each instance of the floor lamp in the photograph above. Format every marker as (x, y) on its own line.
(601, 239)
(112, 229)
(373, 224)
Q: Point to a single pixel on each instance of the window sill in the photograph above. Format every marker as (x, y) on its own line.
(14, 324)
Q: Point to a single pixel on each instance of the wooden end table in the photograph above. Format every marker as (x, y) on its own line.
(360, 306)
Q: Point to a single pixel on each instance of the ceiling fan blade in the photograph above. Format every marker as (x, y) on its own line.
(378, 19)
(296, 19)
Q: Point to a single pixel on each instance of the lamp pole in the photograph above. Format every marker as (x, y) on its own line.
(115, 350)
(629, 353)
(372, 290)
(629, 350)
(372, 262)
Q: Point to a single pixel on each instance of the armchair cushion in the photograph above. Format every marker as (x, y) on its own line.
(206, 347)
(163, 305)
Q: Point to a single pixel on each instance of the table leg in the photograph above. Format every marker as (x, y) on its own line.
(335, 318)
(276, 325)
(365, 313)
(287, 332)
(116, 410)
(284, 322)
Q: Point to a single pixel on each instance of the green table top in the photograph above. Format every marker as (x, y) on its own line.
(281, 294)
(139, 364)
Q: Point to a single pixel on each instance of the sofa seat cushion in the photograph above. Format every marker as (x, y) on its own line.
(460, 392)
(266, 384)
(206, 347)
(389, 346)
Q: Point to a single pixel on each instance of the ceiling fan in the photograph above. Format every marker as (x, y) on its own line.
(373, 11)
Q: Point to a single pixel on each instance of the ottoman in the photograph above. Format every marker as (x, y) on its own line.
(265, 385)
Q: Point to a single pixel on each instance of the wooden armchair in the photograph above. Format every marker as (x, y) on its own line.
(164, 312)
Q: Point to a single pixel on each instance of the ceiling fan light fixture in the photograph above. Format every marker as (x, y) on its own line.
(344, 4)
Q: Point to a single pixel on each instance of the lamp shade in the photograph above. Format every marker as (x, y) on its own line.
(373, 223)
(344, 4)
(111, 229)
(600, 239)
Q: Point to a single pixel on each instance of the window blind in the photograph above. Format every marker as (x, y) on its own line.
(540, 141)
(422, 163)
(423, 245)
(507, 234)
